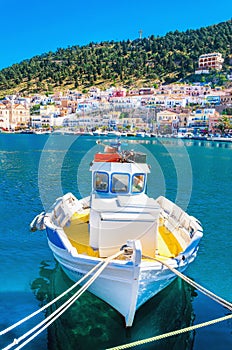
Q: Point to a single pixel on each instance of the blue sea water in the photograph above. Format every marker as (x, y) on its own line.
(36, 169)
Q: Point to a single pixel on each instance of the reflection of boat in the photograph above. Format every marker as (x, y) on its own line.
(113, 133)
(220, 139)
(119, 218)
(170, 309)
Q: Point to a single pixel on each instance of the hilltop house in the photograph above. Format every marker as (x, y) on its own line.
(208, 61)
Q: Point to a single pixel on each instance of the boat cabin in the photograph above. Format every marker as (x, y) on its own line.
(120, 209)
(109, 179)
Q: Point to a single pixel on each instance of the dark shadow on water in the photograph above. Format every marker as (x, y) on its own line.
(91, 324)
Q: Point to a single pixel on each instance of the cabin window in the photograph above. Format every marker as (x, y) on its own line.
(138, 181)
(101, 181)
(120, 183)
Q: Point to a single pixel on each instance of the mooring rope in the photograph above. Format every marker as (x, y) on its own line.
(170, 334)
(57, 313)
(52, 301)
(187, 329)
(202, 289)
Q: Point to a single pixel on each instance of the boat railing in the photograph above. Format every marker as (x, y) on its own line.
(178, 221)
(64, 208)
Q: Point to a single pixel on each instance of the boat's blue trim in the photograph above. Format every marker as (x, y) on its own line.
(54, 238)
(193, 246)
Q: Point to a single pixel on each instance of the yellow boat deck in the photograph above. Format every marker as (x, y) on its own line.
(78, 234)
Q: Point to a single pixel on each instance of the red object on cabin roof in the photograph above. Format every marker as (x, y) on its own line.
(107, 157)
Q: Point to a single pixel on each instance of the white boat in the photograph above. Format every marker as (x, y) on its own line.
(123, 134)
(119, 218)
(100, 132)
(220, 139)
(42, 132)
(140, 134)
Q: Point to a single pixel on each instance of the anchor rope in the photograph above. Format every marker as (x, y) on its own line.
(194, 284)
(51, 302)
(170, 334)
(58, 312)
(187, 329)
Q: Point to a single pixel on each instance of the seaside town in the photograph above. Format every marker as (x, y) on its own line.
(179, 109)
(116, 173)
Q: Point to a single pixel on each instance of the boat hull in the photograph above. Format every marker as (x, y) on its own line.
(124, 285)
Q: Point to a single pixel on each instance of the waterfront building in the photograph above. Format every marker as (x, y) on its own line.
(213, 121)
(132, 122)
(183, 119)
(36, 121)
(167, 122)
(19, 116)
(201, 118)
(4, 117)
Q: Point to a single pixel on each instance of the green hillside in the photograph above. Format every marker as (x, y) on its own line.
(127, 63)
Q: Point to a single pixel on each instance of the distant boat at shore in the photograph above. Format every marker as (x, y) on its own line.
(42, 132)
(220, 138)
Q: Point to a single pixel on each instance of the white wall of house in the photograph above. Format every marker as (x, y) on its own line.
(4, 118)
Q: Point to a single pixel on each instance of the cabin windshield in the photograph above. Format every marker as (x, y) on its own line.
(120, 183)
(101, 181)
(138, 181)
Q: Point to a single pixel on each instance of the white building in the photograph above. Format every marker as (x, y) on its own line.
(4, 117)
(212, 60)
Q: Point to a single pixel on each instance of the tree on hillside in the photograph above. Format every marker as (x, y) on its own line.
(224, 124)
(140, 61)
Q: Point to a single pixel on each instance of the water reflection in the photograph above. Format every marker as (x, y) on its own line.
(178, 142)
(91, 324)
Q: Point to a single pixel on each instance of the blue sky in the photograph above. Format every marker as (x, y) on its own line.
(32, 28)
